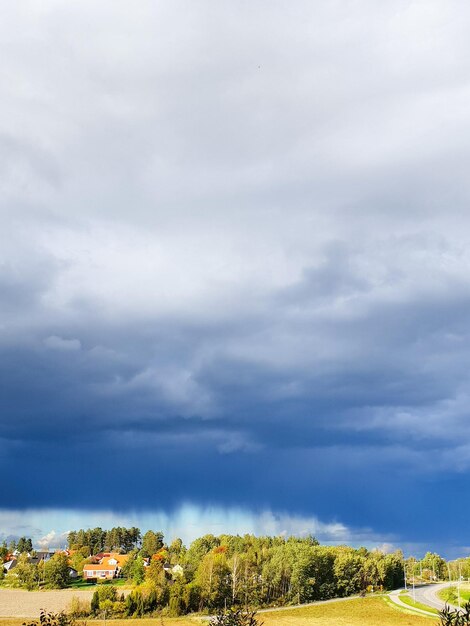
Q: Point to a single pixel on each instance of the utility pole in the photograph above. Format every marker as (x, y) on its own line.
(460, 578)
(413, 581)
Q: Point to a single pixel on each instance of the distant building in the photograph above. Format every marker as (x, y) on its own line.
(9, 565)
(177, 570)
(35, 558)
(109, 566)
(97, 570)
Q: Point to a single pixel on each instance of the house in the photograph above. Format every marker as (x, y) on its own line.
(40, 557)
(177, 571)
(9, 565)
(173, 571)
(35, 558)
(109, 566)
(97, 570)
(73, 573)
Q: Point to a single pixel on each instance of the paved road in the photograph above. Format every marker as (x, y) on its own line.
(427, 594)
(424, 594)
(395, 598)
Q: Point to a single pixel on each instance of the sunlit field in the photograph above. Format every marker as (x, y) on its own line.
(364, 612)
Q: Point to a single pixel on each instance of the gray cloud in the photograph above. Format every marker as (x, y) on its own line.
(241, 228)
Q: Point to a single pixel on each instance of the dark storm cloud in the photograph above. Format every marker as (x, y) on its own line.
(234, 251)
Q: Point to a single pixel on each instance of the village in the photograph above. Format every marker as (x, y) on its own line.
(103, 566)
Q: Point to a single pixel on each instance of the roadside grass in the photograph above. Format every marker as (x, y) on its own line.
(407, 599)
(465, 595)
(450, 594)
(408, 610)
(358, 612)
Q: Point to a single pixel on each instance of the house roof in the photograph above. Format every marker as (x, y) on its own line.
(103, 557)
(120, 558)
(99, 567)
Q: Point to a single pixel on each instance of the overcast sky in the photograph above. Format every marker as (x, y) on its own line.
(235, 268)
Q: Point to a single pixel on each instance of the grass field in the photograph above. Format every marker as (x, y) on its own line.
(359, 612)
(407, 599)
(449, 594)
(79, 583)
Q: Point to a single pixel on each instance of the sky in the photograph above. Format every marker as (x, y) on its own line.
(235, 269)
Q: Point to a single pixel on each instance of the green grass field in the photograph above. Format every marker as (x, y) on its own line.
(408, 599)
(449, 594)
(81, 584)
(358, 612)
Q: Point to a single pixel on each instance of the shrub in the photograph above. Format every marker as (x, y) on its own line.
(235, 617)
(95, 602)
(51, 619)
(455, 617)
(79, 608)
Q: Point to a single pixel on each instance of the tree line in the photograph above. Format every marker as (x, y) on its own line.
(97, 540)
(233, 570)
(215, 572)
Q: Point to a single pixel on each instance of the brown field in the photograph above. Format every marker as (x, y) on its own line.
(366, 612)
(21, 603)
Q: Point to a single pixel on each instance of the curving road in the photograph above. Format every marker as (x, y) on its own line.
(424, 594)
(396, 599)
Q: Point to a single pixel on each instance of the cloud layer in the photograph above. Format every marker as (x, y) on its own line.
(234, 260)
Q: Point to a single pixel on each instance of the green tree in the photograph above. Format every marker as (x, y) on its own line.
(151, 601)
(107, 592)
(156, 577)
(152, 542)
(138, 571)
(349, 572)
(26, 573)
(135, 604)
(23, 545)
(212, 578)
(197, 550)
(56, 571)
(128, 568)
(72, 540)
(176, 597)
(435, 565)
(95, 603)
(130, 605)
(393, 570)
(176, 551)
(77, 561)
